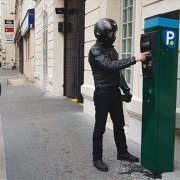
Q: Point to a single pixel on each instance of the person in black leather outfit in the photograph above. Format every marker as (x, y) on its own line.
(106, 69)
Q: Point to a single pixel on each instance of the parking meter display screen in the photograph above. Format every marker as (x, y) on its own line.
(145, 41)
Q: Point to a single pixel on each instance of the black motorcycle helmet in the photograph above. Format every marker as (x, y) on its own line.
(105, 31)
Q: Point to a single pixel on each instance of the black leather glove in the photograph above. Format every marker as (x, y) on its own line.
(127, 97)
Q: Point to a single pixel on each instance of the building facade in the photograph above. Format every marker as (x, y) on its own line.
(0, 35)
(62, 43)
(18, 40)
(25, 37)
(17, 34)
(7, 32)
(0, 29)
(60, 55)
(28, 34)
(49, 47)
(130, 16)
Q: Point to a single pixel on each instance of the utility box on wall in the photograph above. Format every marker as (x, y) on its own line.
(61, 27)
(159, 93)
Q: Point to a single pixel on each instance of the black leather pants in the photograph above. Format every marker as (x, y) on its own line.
(108, 100)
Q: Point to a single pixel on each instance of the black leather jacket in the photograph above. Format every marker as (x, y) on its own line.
(106, 66)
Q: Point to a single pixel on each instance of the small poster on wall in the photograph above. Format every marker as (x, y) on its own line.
(9, 38)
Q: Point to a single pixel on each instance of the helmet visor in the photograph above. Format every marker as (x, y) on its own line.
(111, 34)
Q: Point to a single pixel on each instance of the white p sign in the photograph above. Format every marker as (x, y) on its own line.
(170, 36)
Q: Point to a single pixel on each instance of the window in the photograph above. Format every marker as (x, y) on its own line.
(45, 20)
(127, 8)
(27, 48)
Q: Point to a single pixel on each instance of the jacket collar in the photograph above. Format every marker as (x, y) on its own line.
(104, 45)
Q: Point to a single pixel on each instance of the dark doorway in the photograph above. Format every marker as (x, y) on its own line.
(21, 59)
(74, 48)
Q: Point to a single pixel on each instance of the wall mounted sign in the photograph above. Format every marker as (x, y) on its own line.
(9, 25)
(9, 38)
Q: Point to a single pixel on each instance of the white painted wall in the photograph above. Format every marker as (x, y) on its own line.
(8, 49)
(39, 42)
(55, 46)
(0, 26)
(58, 70)
(32, 55)
(93, 12)
(26, 4)
(17, 23)
(29, 62)
(29, 66)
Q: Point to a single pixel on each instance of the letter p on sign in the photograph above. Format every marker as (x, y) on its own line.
(170, 36)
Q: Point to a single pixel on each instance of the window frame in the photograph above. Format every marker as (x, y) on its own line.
(28, 47)
(132, 38)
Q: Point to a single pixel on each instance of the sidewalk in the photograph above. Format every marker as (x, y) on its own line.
(50, 138)
(9, 73)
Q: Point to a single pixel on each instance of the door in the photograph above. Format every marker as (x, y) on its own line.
(45, 49)
(21, 60)
(74, 48)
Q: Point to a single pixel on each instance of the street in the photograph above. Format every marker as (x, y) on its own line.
(45, 137)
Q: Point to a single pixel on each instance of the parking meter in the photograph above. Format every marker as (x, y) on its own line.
(148, 44)
(159, 93)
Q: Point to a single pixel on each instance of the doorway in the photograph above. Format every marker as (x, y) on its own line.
(21, 55)
(74, 48)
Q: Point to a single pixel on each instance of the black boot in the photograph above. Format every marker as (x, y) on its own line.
(127, 157)
(100, 165)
